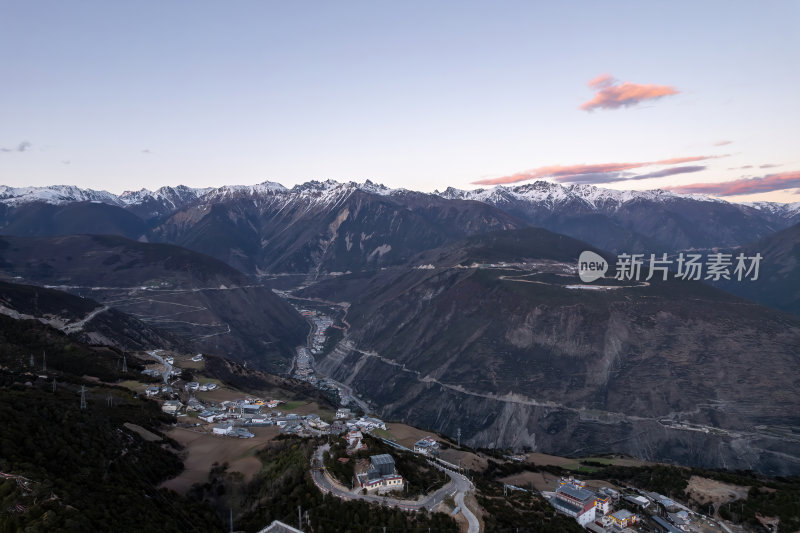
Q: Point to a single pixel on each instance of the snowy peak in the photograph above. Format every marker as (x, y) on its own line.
(228, 191)
(554, 195)
(54, 194)
(775, 208)
(175, 196)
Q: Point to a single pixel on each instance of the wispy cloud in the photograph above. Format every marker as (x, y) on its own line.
(722, 143)
(21, 147)
(769, 183)
(670, 172)
(593, 173)
(146, 151)
(612, 94)
(599, 178)
(601, 81)
(768, 165)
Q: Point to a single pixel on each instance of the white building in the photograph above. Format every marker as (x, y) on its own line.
(426, 446)
(576, 502)
(222, 429)
(171, 406)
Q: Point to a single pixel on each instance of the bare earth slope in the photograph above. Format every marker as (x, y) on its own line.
(670, 371)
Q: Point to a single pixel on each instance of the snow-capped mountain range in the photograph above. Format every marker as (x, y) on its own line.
(540, 193)
(335, 226)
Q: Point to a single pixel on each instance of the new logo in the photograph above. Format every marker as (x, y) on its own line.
(591, 266)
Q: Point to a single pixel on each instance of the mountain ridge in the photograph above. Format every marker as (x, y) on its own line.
(538, 190)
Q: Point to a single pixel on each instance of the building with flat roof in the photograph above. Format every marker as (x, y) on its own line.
(664, 526)
(623, 518)
(381, 475)
(576, 502)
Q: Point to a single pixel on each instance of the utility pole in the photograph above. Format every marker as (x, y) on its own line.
(231, 516)
(54, 384)
(83, 397)
(124, 364)
(44, 361)
(458, 434)
(299, 518)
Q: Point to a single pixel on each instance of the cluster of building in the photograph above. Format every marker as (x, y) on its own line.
(321, 324)
(591, 509)
(676, 517)
(156, 373)
(192, 386)
(303, 366)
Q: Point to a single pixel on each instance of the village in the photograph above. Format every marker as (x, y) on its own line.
(201, 406)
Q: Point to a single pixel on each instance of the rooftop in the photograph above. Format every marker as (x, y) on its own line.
(578, 493)
(382, 459)
(622, 514)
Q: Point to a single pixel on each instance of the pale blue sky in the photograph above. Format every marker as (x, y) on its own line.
(422, 95)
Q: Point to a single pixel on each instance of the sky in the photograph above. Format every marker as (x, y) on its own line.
(688, 96)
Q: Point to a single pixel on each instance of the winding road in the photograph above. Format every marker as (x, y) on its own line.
(458, 486)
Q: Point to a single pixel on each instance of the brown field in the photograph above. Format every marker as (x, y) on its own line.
(542, 481)
(221, 394)
(203, 449)
(544, 459)
(304, 409)
(468, 459)
(407, 435)
(598, 483)
(705, 491)
(185, 361)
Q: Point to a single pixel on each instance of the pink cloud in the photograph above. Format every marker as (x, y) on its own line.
(612, 95)
(603, 80)
(769, 183)
(567, 173)
(722, 143)
(691, 159)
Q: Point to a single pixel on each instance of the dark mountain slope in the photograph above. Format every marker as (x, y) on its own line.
(41, 219)
(634, 221)
(778, 283)
(673, 371)
(82, 470)
(82, 319)
(325, 227)
(200, 300)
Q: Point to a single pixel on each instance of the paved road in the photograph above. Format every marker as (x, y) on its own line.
(463, 485)
(167, 366)
(457, 487)
(474, 525)
(78, 326)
